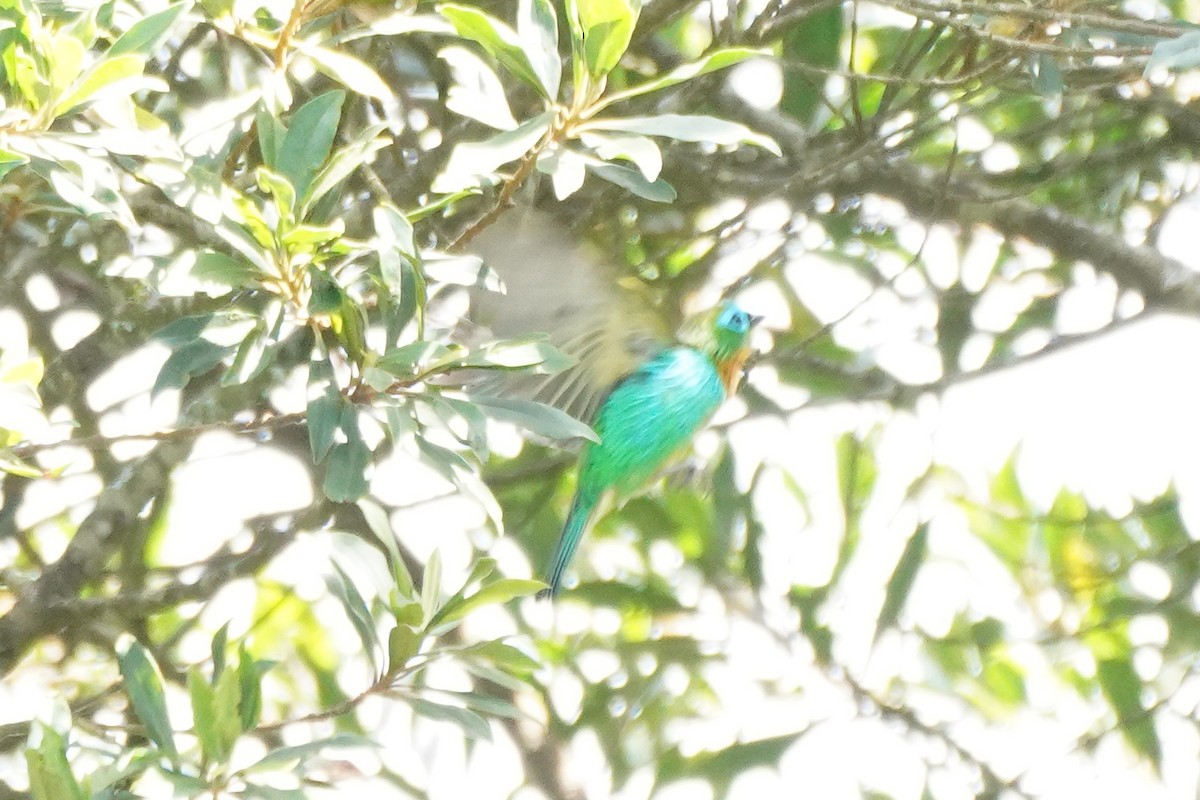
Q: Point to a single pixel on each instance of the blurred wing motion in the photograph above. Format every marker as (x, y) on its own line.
(559, 286)
(651, 416)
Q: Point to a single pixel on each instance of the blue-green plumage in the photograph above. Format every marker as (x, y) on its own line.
(651, 415)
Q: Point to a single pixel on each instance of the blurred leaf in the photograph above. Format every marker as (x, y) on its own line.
(1123, 688)
(286, 756)
(344, 589)
(106, 75)
(815, 40)
(203, 716)
(143, 685)
(403, 643)
(345, 471)
(566, 168)
(307, 143)
(220, 641)
(492, 594)
(431, 586)
(346, 159)
(381, 525)
(685, 128)
(537, 28)
(659, 190)
(464, 271)
(50, 776)
(145, 36)
(183, 330)
(607, 27)
(901, 583)
(1175, 54)
(250, 674)
(220, 268)
(536, 417)
(497, 38)
(642, 152)
(10, 160)
(711, 62)
(471, 160)
(350, 71)
(721, 766)
(188, 361)
(473, 725)
(325, 405)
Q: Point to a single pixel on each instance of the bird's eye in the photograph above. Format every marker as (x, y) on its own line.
(741, 321)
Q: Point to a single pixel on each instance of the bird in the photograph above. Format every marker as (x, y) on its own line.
(651, 415)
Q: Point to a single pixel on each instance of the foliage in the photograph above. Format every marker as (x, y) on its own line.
(244, 227)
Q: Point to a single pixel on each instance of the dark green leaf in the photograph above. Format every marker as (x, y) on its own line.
(189, 360)
(143, 685)
(1121, 685)
(901, 583)
(815, 41)
(324, 407)
(345, 471)
(183, 330)
(250, 674)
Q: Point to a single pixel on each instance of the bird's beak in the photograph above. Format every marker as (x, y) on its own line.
(755, 319)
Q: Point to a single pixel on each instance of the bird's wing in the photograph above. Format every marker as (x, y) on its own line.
(558, 285)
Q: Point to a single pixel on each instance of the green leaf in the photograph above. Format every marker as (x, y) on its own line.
(471, 160)
(309, 139)
(381, 525)
(203, 725)
(607, 29)
(535, 355)
(356, 609)
(403, 643)
(533, 416)
(278, 186)
(537, 27)
(642, 152)
(50, 776)
(417, 357)
(286, 756)
(497, 38)
(220, 268)
(220, 641)
(686, 128)
(227, 719)
(716, 60)
(815, 41)
(1120, 683)
(493, 594)
(345, 472)
(901, 583)
(325, 406)
(431, 585)
(659, 191)
(105, 76)
(345, 160)
(566, 168)
(1175, 54)
(270, 137)
(10, 160)
(250, 674)
(350, 71)
(189, 360)
(143, 685)
(183, 330)
(473, 725)
(146, 35)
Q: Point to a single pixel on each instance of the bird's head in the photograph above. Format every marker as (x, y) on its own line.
(731, 330)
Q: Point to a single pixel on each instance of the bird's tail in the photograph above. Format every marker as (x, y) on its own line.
(577, 520)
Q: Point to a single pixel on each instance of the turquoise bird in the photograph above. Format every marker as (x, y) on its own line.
(651, 415)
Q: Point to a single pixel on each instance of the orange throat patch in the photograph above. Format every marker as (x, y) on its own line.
(731, 370)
